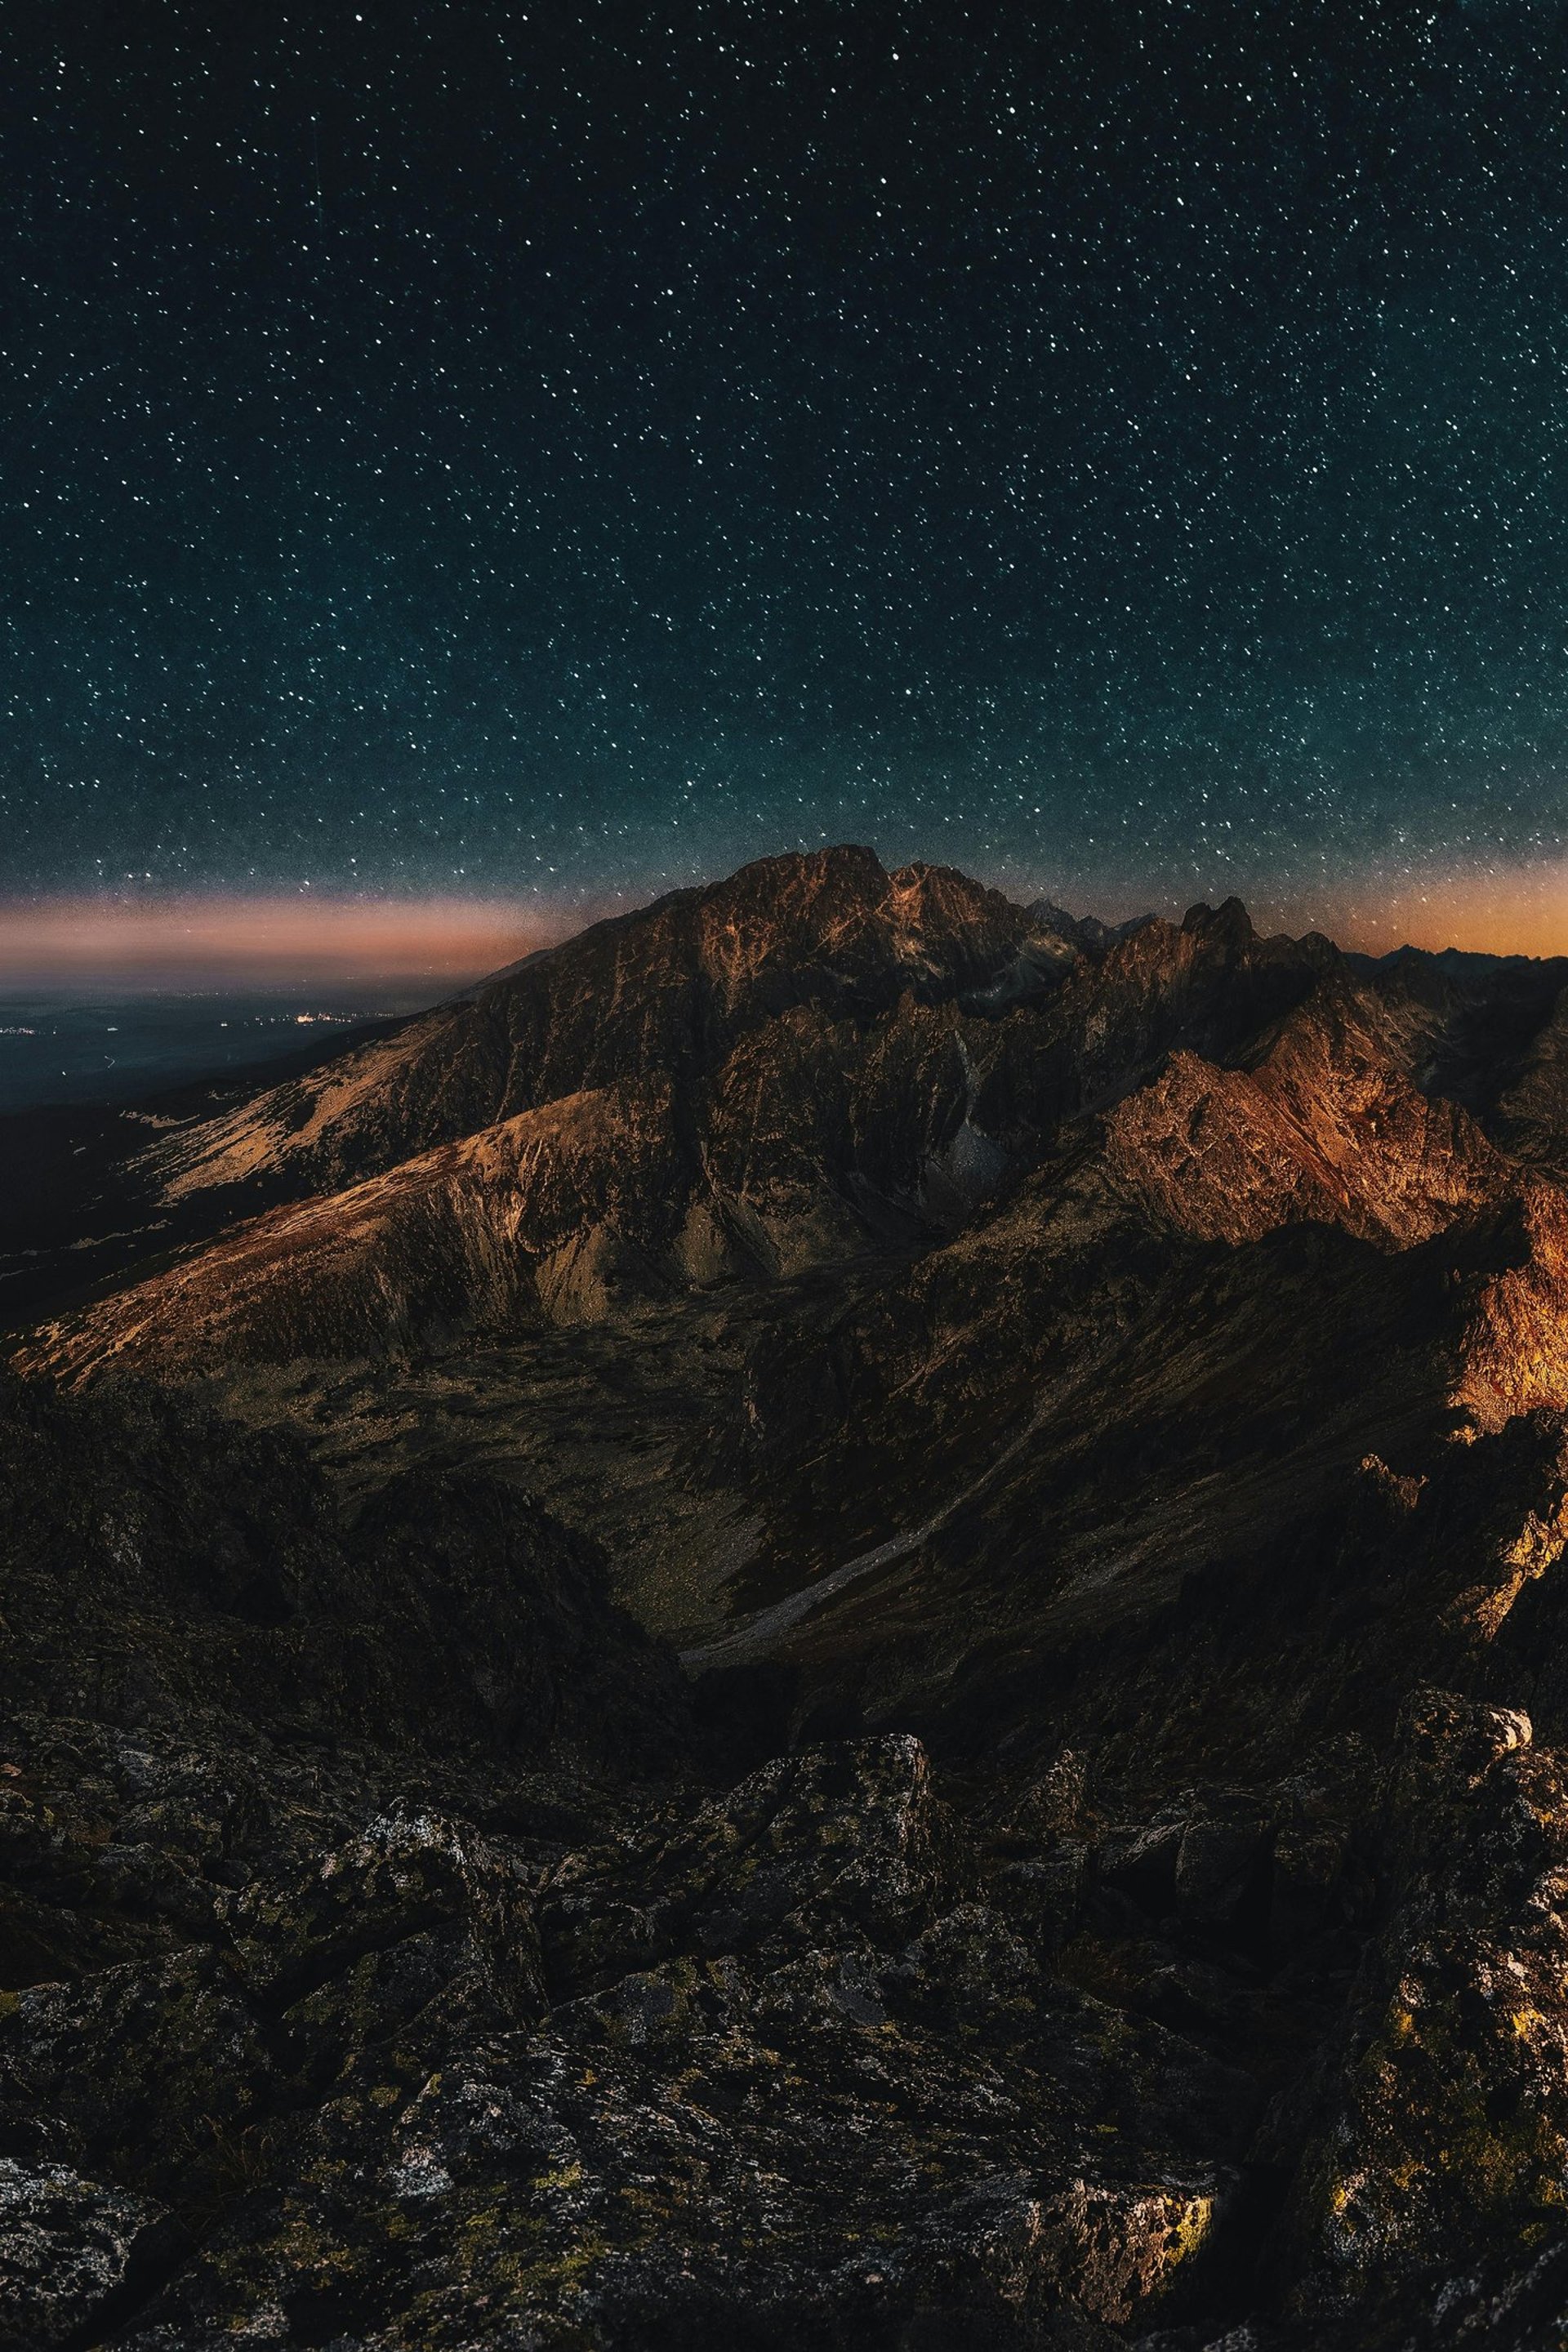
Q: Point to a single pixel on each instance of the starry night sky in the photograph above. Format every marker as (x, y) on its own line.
(471, 449)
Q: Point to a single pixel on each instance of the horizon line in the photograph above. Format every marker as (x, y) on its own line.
(313, 936)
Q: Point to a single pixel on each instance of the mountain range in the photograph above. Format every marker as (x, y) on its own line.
(832, 1618)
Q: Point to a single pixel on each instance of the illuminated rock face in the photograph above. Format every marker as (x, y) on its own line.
(813, 1060)
(1445, 2120)
(1088, 1407)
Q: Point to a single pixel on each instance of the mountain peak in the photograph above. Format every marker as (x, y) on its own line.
(839, 863)
(1228, 924)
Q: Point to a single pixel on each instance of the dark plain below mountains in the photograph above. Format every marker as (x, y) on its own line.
(836, 1621)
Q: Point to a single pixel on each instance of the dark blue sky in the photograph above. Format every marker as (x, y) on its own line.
(471, 448)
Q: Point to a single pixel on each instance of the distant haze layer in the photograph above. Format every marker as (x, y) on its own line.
(411, 945)
(266, 942)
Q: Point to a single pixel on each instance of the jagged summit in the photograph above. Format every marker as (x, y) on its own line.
(666, 988)
(1087, 933)
(1230, 921)
(815, 1057)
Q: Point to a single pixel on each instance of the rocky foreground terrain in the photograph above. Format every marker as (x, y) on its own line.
(835, 1621)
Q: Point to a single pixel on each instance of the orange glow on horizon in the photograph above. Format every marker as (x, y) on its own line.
(290, 942)
(1518, 911)
(213, 941)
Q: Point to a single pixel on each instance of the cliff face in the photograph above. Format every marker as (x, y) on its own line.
(1090, 1408)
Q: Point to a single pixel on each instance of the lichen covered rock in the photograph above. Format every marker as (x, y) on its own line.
(71, 2251)
(1448, 2134)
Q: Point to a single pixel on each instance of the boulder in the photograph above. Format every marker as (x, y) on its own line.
(71, 2250)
